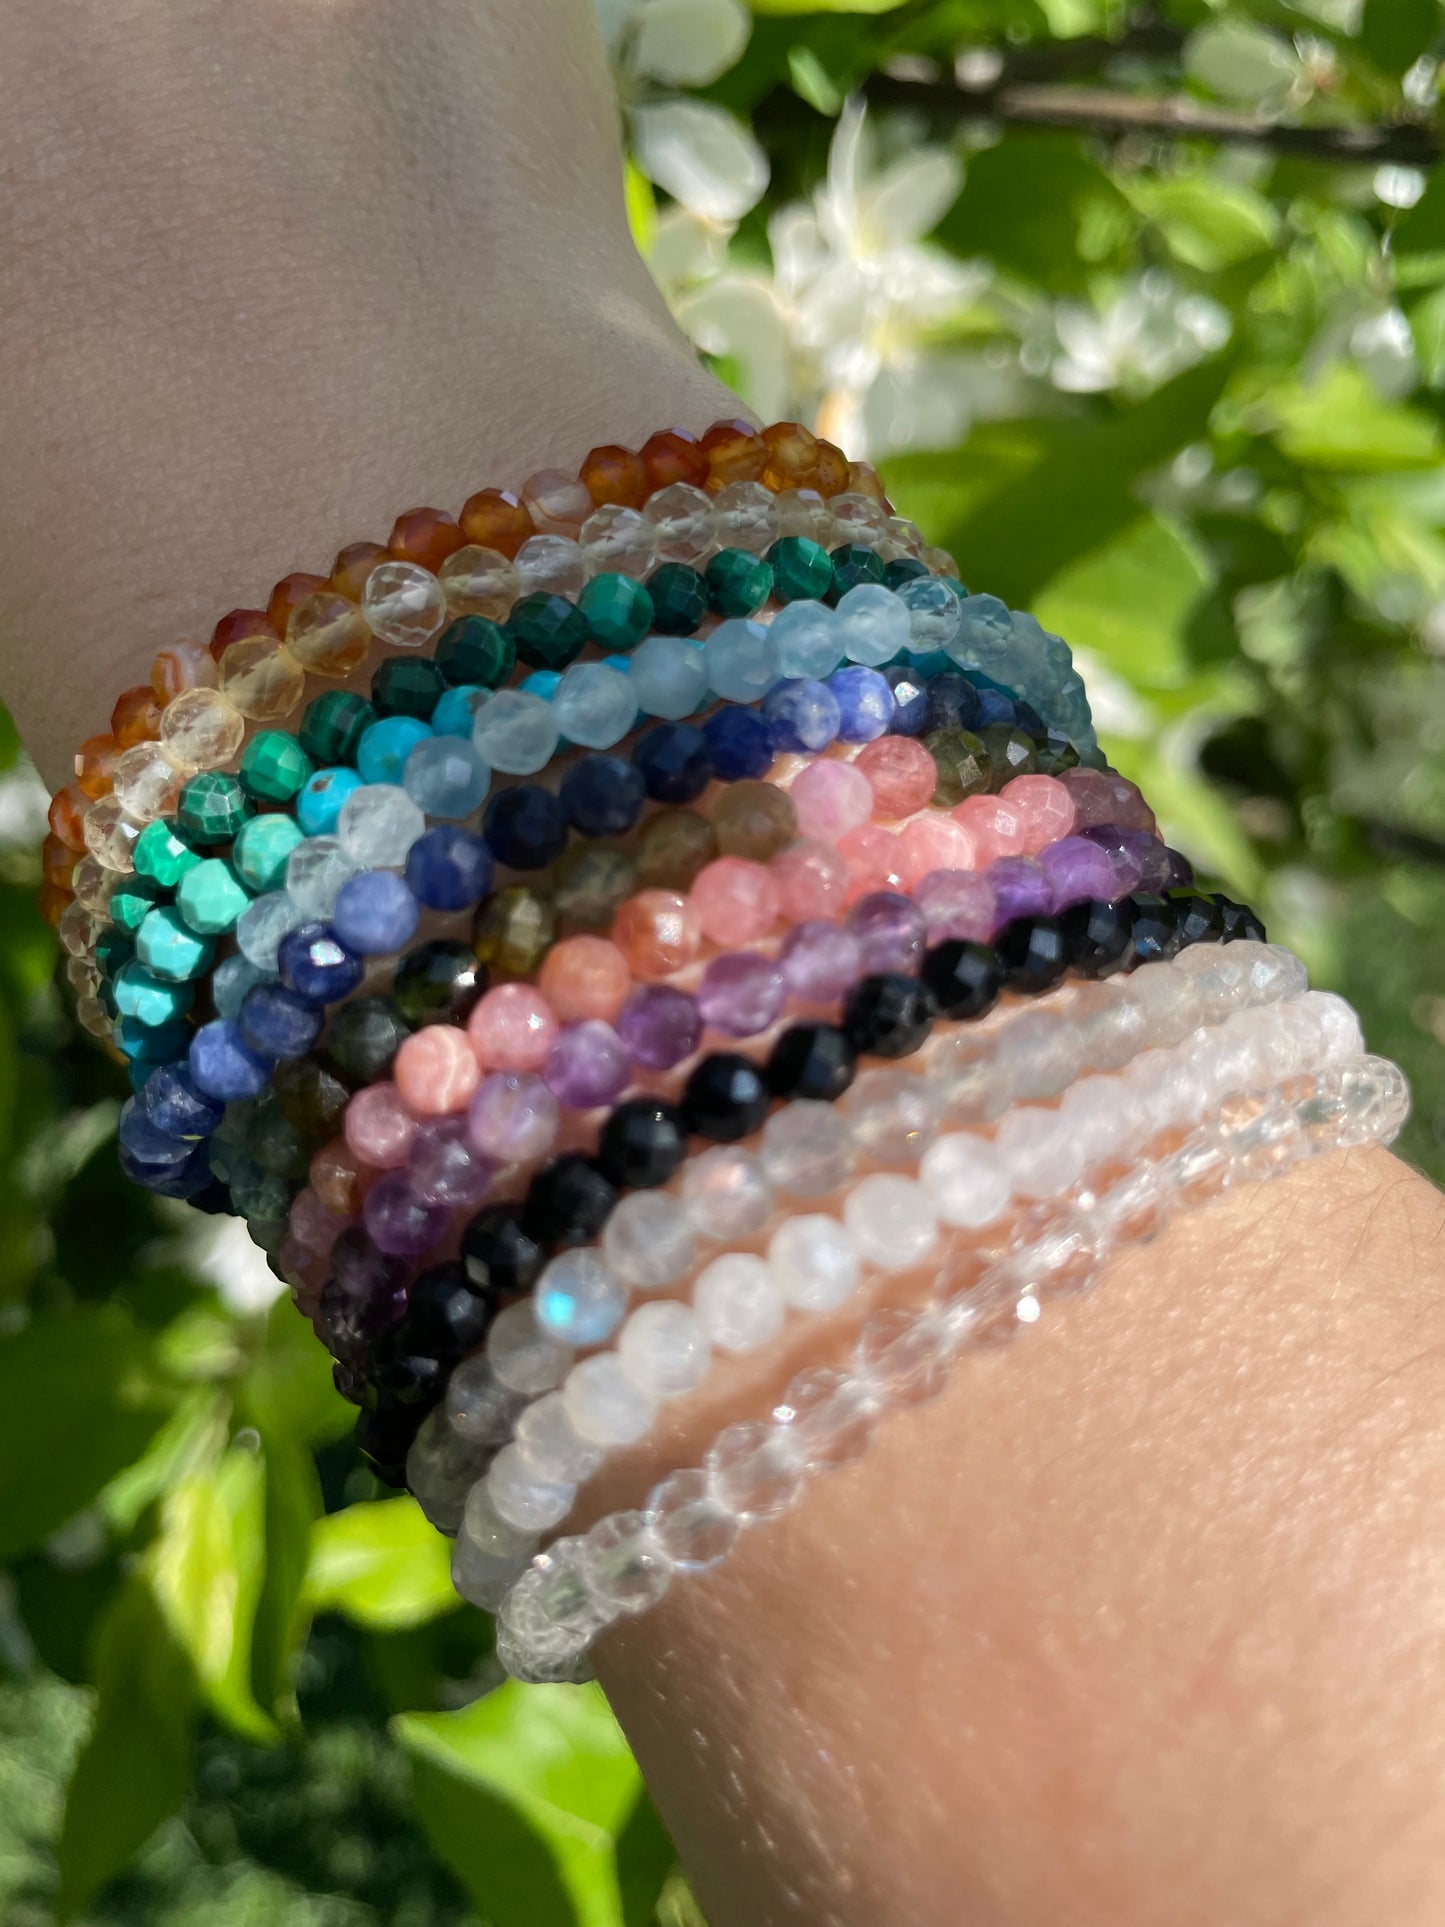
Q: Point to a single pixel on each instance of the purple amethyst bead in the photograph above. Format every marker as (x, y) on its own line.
(401, 1223)
(1078, 871)
(659, 1026)
(587, 1066)
(741, 993)
(956, 903)
(1124, 858)
(513, 1117)
(444, 1167)
(890, 930)
(820, 961)
(1021, 888)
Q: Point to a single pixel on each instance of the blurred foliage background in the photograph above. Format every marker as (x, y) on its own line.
(1143, 311)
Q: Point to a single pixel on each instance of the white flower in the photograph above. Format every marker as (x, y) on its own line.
(688, 43)
(702, 156)
(1151, 330)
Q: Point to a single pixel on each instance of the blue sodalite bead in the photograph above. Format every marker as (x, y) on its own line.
(525, 827)
(675, 762)
(375, 914)
(910, 699)
(449, 868)
(320, 800)
(602, 795)
(457, 710)
(176, 1104)
(994, 707)
(384, 747)
(173, 1167)
(275, 1022)
(802, 714)
(953, 702)
(740, 743)
(224, 1064)
(1028, 718)
(865, 703)
(313, 960)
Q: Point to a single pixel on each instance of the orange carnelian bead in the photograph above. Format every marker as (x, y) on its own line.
(354, 564)
(181, 666)
(493, 518)
(426, 537)
(236, 626)
(95, 763)
(615, 475)
(863, 479)
(735, 452)
(792, 456)
(135, 718)
(66, 816)
(830, 475)
(674, 455)
(57, 860)
(54, 902)
(287, 597)
(658, 932)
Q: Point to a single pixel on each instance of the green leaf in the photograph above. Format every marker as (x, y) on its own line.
(1421, 229)
(1394, 33)
(1208, 222)
(78, 1398)
(381, 1564)
(1130, 601)
(293, 1505)
(1027, 204)
(525, 1794)
(135, 1768)
(825, 6)
(1339, 422)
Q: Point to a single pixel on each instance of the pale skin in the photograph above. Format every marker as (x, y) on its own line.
(1143, 1620)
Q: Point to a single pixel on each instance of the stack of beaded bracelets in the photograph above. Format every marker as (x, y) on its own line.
(658, 854)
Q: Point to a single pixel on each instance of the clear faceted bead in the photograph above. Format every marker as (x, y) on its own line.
(552, 565)
(146, 783)
(110, 834)
(746, 517)
(479, 582)
(754, 1470)
(93, 884)
(830, 1415)
(802, 511)
(858, 518)
(904, 1355)
(403, 605)
(691, 1524)
(327, 634)
(624, 1567)
(619, 540)
(683, 518)
(201, 729)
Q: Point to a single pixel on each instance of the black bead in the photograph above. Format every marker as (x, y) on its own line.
(499, 1257)
(385, 1432)
(1251, 927)
(963, 978)
(364, 1037)
(349, 1382)
(411, 1378)
(812, 1060)
(642, 1143)
(888, 1015)
(1033, 954)
(1156, 933)
(1198, 919)
(725, 1098)
(1098, 936)
(446, 1315)
(437, 983)
(1239, 921)
(568, 1202)
(525, 827)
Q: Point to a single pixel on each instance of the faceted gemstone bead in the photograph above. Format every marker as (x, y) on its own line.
(327, 633)
(735, 901)
(754, 820)
(403, 604)
(820, 961)
(953, 702)
(378, 825)
(474, 650)
(555, 500)
(515, 732)
(812, 1061)
(274, 766)
(725, 1098)
(170, 949)
(512, 1028)
(1102, 797)
(136, 717)
(659, 932)
(236, 626)
(95, 763)
(679, 599)
(669, 677)
(145, 782)
(262, 849)
(495, 519)
(57, 860)
(333, 725)
(872, 624)
(1021, 888)
(659, 1025)
(739, 742)
(513, 931)
(595, 705)
(262, 925)
(66, 816)
(375, 914)
(901, 774)
(964, 978)
(353, 565)
(590, 884)
(551, 565)
(436, 1071)
(132, 901)
(802, 714)
(275, 1022)
(742, 660)
(1199, 918)
(802, 570)
(426, 537)
(548, 631)
(525, 827)
(602, 795)
(480, 582)
(617, 611)
(407, 687)
(446, 1317)
(675, 762)
(735, 452)
(961, 761)
(682, 517)
(889, 929)
(149, 999)
(179, 666)
(175, 1104)
(740, 993)
(262, 679)
(585, 976)
(380, 1127)
(315, 871)
(888, 1015)
(674, 455)
(1098, 936)
(865, 703)
(792, 456)
(113, 948)
(567, 1203)
(956, 903)
(456, 712)
(738, 583)
(212, 808)
(815, 1259)
(110, 834)
(445, 777)
(287, 597)
(365, 1035)
(513, 1117)
(745, 516)
(853, 564)
(1077, 871)
(587, 1065)
(831, 797)
(1033, 953)
(1156, 929)
(399, 1222)
(614, 474)
(619, 540)
(313, 961)
(224, 1066)
(211, 897)
(142, 1044)
(806, 640)
(163, 856)
(498, 1256)
(1010, 753)
(802, 511)
(311, 1097)
(449, 868)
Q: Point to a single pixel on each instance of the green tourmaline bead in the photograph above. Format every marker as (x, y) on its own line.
(152, 1002)
(903, 568)
(365, 1034)
(274, 766)
(1010, 751)
(852, 564)
(333, 725)
(405, 687)
(962, 764)
(211, 897)
(513, 931)
(590, 884)
(679, 599)
(212, 808)
(1056, 753)
(168, 947)
(132, 901)
(260, 851)
(802, 570)
(618, 610)
(162, 856)
(474, 650)
(114, 949)
(312, 1098)
(738, 583)
(275, 1143)
(550, 632)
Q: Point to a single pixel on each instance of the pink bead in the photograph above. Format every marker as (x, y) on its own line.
(1047, 808)
(735, 899)
(513, 1028)
(956, 903)
(831, 798)
(379, 1127)
(313, 1227)
(811, 879)
(436, 1071)
(585, 977)
(934, 841)
(874, 858)
(997, 828)
(902, 773)
(1101, 797)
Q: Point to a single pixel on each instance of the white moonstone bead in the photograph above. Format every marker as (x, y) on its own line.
(521, 1498)
(607, 1407)
(807, 1149)
(815, 1261)
(483, 1578)
(1093, 1108)
(1170, 1002)
(970, 1084)
(890, 1221)
(965, 1180)
(1039, 1052)
(522, 1356)
(579, 1299)
(664, 1349)
(549, 1446)
(478, 1406)
(649, 1240)
(739, 1302)
(893, 1115)
(1339, 1026)
(441, 1469)
(1110, 1026)
(725, 1193)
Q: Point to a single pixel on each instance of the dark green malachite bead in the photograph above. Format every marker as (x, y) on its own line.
(408, 686)
(852, 564)
(802, 570)
(162, 855)
(212, 808)
(1010, 753)
(475, 651)
(679, 599)
(133, 899)
(962, 763)
(618, 610)
(274, 766)
(333, 724)
(738, 583)
(903, 568)
(550, 632)
(113, 950)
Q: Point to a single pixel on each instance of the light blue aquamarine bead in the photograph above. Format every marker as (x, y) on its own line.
(148, 998)
(873, 625)
(381, 755)
(231, 979)
(984, 631)
(594, 706)
(260, 928)
(446, 777)
(805, 635)
(742, 660)
(260, 851)
(669, 677)
(934, 613)
(315, 871)
(378, 826)
(516, 732)
(456, 711)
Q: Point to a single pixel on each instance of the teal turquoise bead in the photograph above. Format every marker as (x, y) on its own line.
(114, 949)
(274, 766)
(407, 686)
(132, 901)
(618, 611)
(455, 714)
(802, 570)
(855, 563)
(150, 1000)
(474, 650)
(320, 803)
(167, 946)
(260, 851)
(549, 631)
(679, 599)
(144, 1044)
(382, 752)
(162, 855)
(212, 808)
(333, 725)
(738, 583)
(211, 897)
